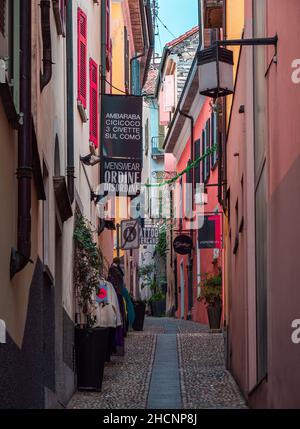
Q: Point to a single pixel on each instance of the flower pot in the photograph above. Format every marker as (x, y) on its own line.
(90, 353)
(214, 313)
(158, 308)
(138, 324)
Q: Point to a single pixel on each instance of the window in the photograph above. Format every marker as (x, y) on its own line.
(197, 151)
(208, 147)
(188, 194)
(205, 148)
(46, 215)
(94, 103)
(147, 137)
(82, 57)
(10, 45)
(214, 137)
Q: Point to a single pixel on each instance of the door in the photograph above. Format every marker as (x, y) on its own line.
(182, 290)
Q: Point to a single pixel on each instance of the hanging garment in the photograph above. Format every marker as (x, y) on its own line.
(107, 311)
(119, 337)
(129, 305)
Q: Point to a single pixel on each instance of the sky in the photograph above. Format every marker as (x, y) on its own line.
(179, 16)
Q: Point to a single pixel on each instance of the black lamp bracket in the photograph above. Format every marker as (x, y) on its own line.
(260, 41)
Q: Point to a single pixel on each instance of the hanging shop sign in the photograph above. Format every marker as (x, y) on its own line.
(121, 143)
(183, 244)
(209, 236)
(130, 234)
(149, 236)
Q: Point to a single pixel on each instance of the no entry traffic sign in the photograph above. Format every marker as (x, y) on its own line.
(130, 234)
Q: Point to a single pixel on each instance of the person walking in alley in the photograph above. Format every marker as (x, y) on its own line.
(116, 278)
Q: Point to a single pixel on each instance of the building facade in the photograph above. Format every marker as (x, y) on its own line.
(55, 62)
(262, 152)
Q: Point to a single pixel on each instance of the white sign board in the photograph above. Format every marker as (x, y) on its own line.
(130, 234)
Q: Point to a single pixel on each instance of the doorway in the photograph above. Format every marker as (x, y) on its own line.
(182, 291)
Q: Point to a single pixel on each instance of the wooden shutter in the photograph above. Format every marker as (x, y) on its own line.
(197, 176)
(94, 103)
(82, 57)
(208, 146)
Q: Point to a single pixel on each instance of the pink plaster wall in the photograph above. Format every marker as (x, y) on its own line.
(198, 312)
(281, 389)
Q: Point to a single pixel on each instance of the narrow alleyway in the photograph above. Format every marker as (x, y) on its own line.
(172, 364)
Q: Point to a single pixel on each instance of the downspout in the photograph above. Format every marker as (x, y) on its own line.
(70, 101)
(21, 256)
(190, 260)
(103, 47)
(200, 19)
(46, 75)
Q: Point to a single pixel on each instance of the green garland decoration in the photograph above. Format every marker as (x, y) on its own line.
(186, 170)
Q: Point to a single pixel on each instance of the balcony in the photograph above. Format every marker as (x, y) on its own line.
(157, 147)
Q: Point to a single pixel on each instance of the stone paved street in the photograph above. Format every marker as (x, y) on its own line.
(173, 364)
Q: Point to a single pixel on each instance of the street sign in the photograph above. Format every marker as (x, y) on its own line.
(210, 235)
(130, 234)
(183, 244)
(149, 235)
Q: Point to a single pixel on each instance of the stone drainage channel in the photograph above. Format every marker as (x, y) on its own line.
(164, 392)
(172, 364)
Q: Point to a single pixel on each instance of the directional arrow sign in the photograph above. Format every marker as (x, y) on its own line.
(130, 234)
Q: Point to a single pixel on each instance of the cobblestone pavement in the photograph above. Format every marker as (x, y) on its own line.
(204, 381)
(126, 379)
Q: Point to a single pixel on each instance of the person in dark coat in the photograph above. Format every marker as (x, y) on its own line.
(116, 278)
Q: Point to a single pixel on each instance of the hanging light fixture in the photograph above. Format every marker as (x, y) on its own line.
(215, 68)
(215, 65)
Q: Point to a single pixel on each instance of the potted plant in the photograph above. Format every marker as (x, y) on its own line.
(211, 293)
(139, 307)
(90, 341)
(157, 302)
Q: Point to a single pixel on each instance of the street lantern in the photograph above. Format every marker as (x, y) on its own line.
(215, 65)
(215, 68)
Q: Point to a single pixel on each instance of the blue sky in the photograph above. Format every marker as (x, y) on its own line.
(179, 16)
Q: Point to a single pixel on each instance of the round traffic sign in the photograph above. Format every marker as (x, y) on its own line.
(129, 234)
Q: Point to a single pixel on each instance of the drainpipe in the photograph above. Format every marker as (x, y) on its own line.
(46, 75)
(70, 101)
(200, 10)
(103, 47)
(21, 256)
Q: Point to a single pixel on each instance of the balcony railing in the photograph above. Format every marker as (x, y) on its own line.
(157, 146)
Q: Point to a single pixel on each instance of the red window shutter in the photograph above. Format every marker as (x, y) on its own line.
(82, 57)
(94, 103)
